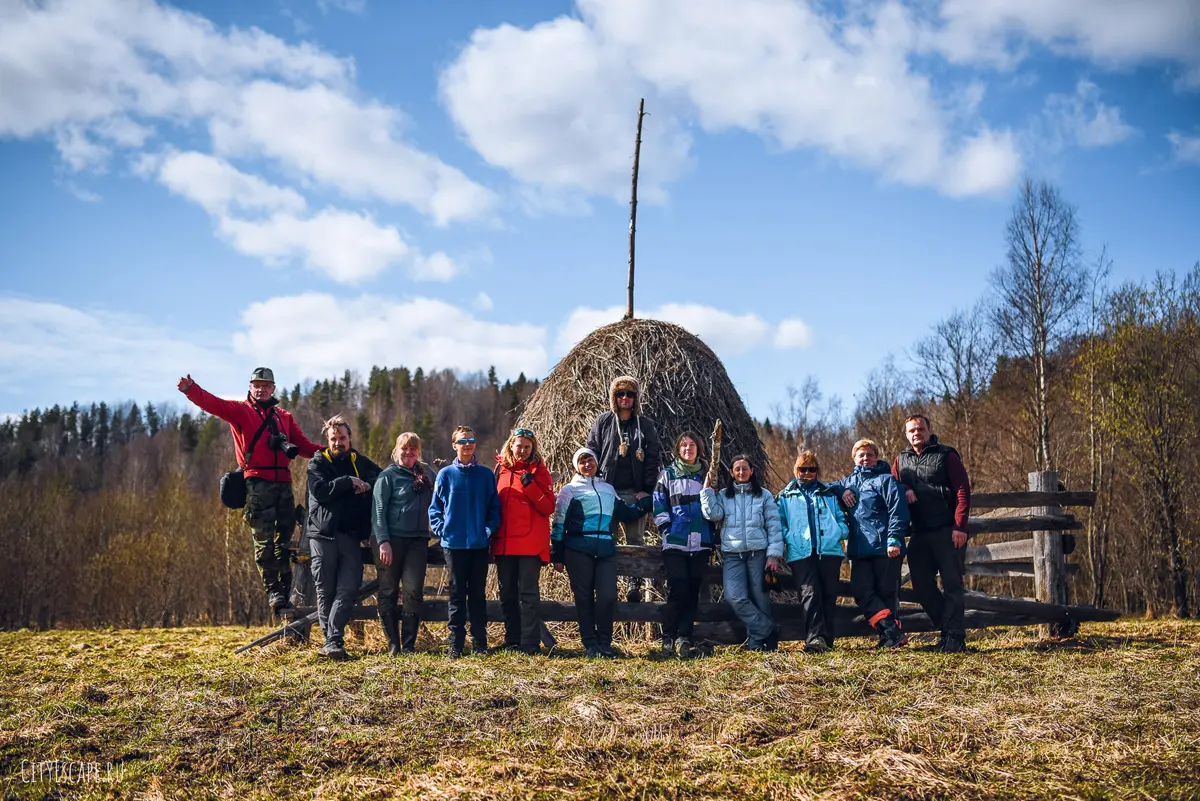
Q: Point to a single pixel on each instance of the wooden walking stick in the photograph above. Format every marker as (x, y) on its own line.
(715, 467)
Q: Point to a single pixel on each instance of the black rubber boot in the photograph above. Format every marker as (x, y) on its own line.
(387, 621)
(409, 628)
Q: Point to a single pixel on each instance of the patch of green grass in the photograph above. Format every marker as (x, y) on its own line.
(178, 715)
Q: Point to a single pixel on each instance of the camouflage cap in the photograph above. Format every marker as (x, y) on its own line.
(262, 374)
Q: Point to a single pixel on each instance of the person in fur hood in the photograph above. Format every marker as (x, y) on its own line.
(628, 454)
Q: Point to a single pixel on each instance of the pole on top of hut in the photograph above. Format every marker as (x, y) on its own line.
(637, 152)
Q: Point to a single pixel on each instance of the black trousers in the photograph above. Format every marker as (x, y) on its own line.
(409, 555)
(594, 585)
(817, 583)
(685, 574)
(875, 582)
(468, 578)
(930, 554)
(521, 599)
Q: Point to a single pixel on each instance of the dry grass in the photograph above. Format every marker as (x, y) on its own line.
(1112, 714)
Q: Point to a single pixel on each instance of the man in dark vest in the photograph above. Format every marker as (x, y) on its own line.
(939, 503)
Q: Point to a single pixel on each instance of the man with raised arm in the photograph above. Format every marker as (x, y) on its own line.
(265, 440)
(939, 502)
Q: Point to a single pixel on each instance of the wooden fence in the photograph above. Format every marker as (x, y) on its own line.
(1039, 556)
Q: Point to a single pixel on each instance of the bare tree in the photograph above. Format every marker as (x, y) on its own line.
(881, 409)
(1039, 293)
(955, 365)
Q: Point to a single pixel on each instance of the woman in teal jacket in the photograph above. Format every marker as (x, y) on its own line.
(814, 525)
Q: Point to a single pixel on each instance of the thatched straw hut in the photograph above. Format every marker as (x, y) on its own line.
(684, 386)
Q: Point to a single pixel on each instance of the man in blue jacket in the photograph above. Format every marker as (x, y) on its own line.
(465, 513)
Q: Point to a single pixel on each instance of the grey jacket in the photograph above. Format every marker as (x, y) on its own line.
(751, 523)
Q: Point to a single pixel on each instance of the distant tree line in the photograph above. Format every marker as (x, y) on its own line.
(112, 517)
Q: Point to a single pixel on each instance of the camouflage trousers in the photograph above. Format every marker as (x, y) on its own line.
(271, 514)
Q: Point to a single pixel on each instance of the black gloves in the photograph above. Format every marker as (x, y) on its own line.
(526, 479)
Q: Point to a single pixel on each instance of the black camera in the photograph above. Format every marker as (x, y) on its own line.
(278, 442)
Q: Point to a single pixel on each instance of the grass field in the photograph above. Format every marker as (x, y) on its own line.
(174, 714)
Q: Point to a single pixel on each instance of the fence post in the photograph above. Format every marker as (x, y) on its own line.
(1049, 563)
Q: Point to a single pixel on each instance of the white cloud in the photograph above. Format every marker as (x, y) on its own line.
(352, 6)
(553, 104)
(1117, 32)
(86, 354)
(351, 146)
(356, 333)
(1185, 149)
(483, 302)
(347, 246)
(1082, 118)
(95, 75)
(218, 186)
(556, 107)
(727, 334)
(793, 333)
(270, 222)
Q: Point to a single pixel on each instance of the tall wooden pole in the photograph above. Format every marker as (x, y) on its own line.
(637, 152)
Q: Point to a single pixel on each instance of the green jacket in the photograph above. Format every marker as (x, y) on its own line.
(397, 509)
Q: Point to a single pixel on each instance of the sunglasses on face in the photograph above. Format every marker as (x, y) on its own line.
(809, 469)
(465, 441)
(626, 394)
(523, 432)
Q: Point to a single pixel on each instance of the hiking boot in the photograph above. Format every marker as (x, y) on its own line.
(668, 648)
(890, 634)
(529, 650)
(479, 647)
(508, 646)
(772, 641)
(279, 601)
(955, 644)
(937, 647)
(332, 650)
(455, 651)
(816, 646)
(683, 648)
(592, 652)
(608, 652)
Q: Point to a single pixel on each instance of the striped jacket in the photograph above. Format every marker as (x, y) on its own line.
(678, 513)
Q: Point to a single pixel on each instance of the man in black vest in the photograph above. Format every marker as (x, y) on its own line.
(939, 503)
(339, 519)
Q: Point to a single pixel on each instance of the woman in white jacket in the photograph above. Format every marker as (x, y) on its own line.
(751, 544)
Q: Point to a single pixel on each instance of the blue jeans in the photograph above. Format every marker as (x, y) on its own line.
(742, 574)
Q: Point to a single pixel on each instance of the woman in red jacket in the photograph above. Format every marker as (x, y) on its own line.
(522, 545)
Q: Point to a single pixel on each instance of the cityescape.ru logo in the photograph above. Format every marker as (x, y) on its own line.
(62, 771)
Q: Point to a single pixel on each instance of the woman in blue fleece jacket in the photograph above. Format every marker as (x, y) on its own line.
(465, 512)
(878, 526)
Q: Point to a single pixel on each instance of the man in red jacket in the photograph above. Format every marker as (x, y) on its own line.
(265, 440)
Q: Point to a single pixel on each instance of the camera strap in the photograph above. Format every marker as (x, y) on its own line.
(254, 440)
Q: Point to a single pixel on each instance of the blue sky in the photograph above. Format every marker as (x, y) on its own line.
(322, 184)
